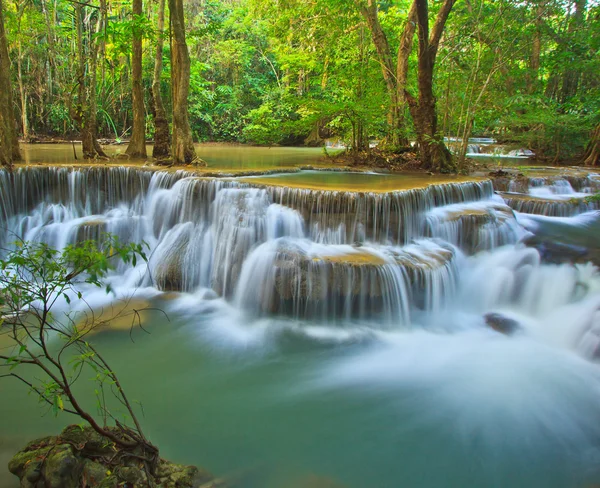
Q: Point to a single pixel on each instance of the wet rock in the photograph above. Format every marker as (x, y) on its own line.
(341, 281)
(81, 457)
(93, 473)
(473, 227)
(575, 240)
(559, 253)
(502, 323)
(548, 206)
(168, 273)
(91, 230)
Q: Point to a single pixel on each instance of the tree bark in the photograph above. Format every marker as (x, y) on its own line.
(9, 142)
(162, 143)
(434, 153)
(592, 152)
(394, 73)
(22, 90)
(536, 49)
(137, 144)
(85, 112)
(182, 144)
(571, 77)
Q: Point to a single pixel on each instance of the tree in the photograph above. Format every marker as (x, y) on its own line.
(394, 68)
(137, 144)
(9, 143)
(182, 144)
(592, 152)
(162, 145)
(34, 278)
(85, 113)
(434, 153)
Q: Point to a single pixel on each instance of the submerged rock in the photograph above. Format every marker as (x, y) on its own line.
(474, 227)
(502, 323)
(80, 457)
(551, 207)
(573, 240)
(304, 279)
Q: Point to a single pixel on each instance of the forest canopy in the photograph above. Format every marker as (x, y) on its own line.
(296, 72)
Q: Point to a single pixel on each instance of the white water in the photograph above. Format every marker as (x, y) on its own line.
(518, 410)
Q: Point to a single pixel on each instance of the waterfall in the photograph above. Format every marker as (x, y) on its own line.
(307, 279)
(387, 259)
(554, 196)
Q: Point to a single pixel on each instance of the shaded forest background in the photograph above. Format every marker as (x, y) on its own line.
(297, 72)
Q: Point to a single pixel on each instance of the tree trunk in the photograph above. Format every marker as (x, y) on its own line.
(370, 13)
(592, 152)
(23, 94)
(137, 144)
(536, 49)
(434, 153)
(162, 144)
(182, 144)
(571, 77)
(9, 142)
(404, 50)
(85, 112)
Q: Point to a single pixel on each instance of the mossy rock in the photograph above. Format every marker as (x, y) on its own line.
(78, 458)
(87, 440)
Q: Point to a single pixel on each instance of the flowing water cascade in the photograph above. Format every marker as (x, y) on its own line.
(472, 355)
(554, 196)
(350, 254)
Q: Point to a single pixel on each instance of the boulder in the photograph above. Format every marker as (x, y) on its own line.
(304, 280)
(502, 323)
(80, 457)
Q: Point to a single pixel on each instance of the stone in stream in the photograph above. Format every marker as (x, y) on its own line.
(303, 279)
(90, 230)
(473, 227)
(558, 240)
(502, 323)
(79, 456)
(551, 207)
(168, 273)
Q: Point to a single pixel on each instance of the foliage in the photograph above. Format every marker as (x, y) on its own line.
(50, 351)
(272, 72)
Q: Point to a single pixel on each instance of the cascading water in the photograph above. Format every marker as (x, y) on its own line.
(554, 196)
(206, 233)
(418, 279)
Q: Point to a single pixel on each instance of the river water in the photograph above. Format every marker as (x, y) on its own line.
(329, 333)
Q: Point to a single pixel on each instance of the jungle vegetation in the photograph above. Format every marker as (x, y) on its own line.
(297, 72)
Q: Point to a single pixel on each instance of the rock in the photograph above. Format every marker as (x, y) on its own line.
(551, 207)
(473, 226)
(574, 240)
(76, 458)
(62, 468)
(168, 273)
(91, 230)
(86, 440)
(93, 473)
(502, 323)
(334, 281)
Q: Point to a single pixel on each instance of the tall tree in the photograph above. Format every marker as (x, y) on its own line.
(162, 143)
(394, 68)
(592, 152)
(137, 144)
(434, 153)
(85, 113)
(9, 143)
(182, 144)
